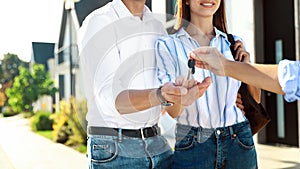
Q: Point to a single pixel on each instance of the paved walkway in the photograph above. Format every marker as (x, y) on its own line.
(20, 148)
(274, 157)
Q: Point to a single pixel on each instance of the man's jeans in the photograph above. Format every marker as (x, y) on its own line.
(128, 153)
(223, 148)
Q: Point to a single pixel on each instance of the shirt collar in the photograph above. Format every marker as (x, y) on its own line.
(220, 33)
(182, 32)
(122, 11)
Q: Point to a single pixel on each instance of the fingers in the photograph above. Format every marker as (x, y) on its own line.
(195, 90)
(179, 80)
(192, 55)
(239, 102)
(198, 62)
(238, 44)
(189, 83)
(238, 47)
(199, 53)
(173, 93)
(241, 54)
(205, 83)
(171, 89)
(202, 87)
(182, 81)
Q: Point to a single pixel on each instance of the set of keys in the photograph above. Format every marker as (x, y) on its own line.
(191, 65)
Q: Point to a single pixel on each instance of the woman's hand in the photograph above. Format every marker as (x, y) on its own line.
(241, 54)
(239, 102)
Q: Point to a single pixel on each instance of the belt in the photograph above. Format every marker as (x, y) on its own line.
(138, 133)
(213, 133)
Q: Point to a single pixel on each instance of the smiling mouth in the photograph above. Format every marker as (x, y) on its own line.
(207, 4)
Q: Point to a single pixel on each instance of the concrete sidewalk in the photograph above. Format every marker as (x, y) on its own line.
(278, 157)
(20, 148)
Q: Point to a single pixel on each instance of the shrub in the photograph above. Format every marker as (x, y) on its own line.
(7, 112)
(69, 123)
(41, 121)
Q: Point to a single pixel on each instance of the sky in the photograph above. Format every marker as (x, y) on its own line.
(25, 21)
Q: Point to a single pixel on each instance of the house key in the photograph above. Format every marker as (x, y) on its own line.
(191, 65)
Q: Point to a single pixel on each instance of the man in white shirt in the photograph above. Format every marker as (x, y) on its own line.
(117, 64)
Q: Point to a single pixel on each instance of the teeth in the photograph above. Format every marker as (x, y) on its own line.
(207, 4)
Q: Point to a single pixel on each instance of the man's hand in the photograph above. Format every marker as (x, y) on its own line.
(209, 58)
(190, 90)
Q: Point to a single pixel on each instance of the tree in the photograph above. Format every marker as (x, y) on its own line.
(10, 67)
(28, 87)
(8, 71)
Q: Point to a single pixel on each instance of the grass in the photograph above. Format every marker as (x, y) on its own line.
(49, 135)
(81, 148)
(46, 133)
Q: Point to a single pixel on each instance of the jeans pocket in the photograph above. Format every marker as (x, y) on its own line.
(104, 151)
(245, 139)
(184, 143)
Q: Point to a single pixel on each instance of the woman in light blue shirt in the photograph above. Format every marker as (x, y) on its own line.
(212, 132)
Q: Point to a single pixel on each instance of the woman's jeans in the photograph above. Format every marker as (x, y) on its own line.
(222, 148)
(111, 152)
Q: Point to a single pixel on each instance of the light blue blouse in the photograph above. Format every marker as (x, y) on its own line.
(217, 107)
(288, 76)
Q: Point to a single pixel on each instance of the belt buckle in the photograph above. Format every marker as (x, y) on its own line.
(142, 133)
(156, 130)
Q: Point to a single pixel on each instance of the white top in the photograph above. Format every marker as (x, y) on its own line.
(217, 107)
(117, 53)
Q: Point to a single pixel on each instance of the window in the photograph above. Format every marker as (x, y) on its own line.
(61, 86)
(170, 9)
(149, 4)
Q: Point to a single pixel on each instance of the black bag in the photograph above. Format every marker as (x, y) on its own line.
(255, 112)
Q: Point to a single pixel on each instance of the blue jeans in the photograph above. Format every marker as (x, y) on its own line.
(105, 152)
(222, 148)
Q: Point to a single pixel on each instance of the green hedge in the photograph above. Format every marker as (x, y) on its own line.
(41, 121)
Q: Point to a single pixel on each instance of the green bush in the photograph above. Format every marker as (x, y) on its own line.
(69, 123)
(41, 121)
(63, 134)
(7, 112)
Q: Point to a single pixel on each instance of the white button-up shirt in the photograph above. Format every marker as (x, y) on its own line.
(117, 53)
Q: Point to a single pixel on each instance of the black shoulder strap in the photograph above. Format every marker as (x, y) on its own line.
(231, 39)
(232, 42)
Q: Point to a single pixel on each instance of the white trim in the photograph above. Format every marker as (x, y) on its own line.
(297, 51)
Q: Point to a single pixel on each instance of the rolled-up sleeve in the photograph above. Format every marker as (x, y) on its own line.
(288, 76)
(165, 62)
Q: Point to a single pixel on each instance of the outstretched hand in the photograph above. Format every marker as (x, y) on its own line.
(209, 58)
(190, 90)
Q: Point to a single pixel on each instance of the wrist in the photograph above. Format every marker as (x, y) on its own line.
(161, 99)
(227, 67)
